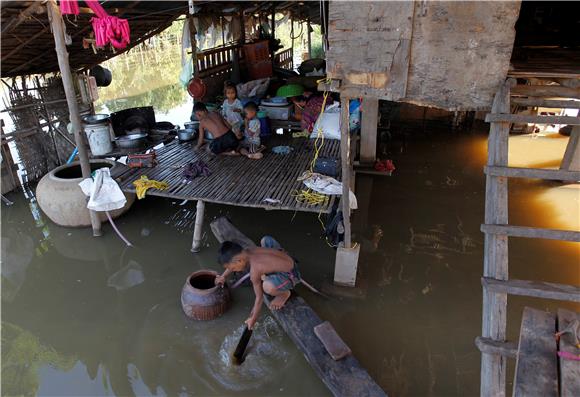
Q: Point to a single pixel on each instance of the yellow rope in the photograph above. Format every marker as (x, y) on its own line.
(144, 183)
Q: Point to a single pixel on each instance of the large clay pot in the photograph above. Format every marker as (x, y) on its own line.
(62, 200)
(201, 299)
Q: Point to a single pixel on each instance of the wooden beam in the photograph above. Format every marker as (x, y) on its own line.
(495, 263)
(490, 346)
(368, 133)
(536, 363)
(569, 369)
(308, 28)
(536, 289)
(526, 118)
(71, 99)
(25, 43)
(546, 91)
(35, 8)
(571, 159)
(533, 173)
(546, 103)
(531, 232)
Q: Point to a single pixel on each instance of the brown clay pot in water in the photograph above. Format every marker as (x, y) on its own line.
(201, 299)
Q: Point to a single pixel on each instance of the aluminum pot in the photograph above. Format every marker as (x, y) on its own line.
(185, 135)
(131, 141)
(201, 299)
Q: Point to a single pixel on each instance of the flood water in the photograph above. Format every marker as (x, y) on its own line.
(88, 316)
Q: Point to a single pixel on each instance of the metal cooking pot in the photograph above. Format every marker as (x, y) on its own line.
(185, 135)
(131, 141)
(95, 118)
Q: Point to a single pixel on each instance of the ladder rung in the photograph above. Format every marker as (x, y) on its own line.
(534, 173)
(531, 232)
(535, 289)
(490, 346)
(526, 118)
(546, 103)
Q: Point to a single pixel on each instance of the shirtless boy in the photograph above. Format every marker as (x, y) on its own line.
(272, 271)
(224, 140)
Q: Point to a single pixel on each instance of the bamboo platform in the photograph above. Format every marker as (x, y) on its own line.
(237, 180)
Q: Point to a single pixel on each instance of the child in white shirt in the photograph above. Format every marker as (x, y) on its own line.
(232, 108)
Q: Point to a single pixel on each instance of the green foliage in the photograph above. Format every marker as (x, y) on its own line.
(147, 75)
(22, 356)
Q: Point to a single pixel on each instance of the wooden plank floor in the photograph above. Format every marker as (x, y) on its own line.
(237, 180)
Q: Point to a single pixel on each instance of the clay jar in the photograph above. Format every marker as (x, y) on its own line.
(201, 299)
(62, 200)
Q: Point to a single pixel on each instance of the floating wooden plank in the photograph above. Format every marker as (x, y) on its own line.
(490, 346)
(332, 342)
(536, 363)
(546, 91)
(345, 377)
(533, 173)
(546, 103)
(536, 289)
(569, 369)
(525, 118)
(531, 232)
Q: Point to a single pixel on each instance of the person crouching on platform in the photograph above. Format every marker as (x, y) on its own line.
(272, 271)
(224, 140)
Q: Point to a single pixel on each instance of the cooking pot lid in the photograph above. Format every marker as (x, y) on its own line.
(95, 118)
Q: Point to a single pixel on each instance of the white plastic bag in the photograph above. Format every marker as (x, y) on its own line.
(104, 193)
(329, 122)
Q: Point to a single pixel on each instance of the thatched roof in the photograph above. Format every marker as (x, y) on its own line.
(28, 45)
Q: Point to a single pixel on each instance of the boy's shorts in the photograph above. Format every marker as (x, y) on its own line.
(225, 143)
(282, 281)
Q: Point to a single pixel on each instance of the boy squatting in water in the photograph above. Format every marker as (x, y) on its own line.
(272, 271)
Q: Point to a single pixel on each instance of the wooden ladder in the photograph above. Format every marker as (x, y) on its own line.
(496, 284)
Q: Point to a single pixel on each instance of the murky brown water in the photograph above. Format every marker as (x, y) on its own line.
(84, 316)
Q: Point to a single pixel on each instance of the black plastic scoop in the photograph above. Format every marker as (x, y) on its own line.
(242, 344)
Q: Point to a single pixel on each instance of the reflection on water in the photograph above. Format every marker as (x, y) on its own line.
(147, 78)
(89, 316)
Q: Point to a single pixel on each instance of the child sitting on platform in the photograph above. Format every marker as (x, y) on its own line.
(251, 145)
(232, 108)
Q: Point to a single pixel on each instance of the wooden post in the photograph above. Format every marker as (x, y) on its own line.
(192, 33)
(273, 28)
(223, 31)
(571, 159)
(345, 267)
(309, 39)
(56, 23)
(493, 366)
(196, 244)
(345, 160)
(368, 132)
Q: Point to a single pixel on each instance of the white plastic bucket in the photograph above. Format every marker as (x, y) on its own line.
(99, 138)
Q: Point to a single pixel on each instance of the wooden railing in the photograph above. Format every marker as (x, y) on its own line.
(284, 59)
(218, 60)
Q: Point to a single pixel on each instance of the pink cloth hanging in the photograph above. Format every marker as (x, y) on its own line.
(69, 7)
(107, 28)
